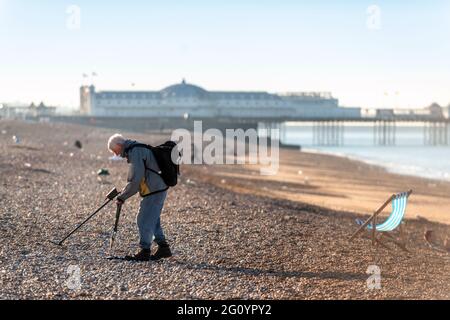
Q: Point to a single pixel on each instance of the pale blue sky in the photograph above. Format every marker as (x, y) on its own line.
(267, 45)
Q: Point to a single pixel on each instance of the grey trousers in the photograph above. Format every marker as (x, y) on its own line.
(149, 220)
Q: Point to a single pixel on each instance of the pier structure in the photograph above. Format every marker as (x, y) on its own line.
(328, 133)
(435, 133)
(384, 133)
(325, 131)
(331, 132)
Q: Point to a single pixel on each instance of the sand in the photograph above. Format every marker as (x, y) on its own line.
(336, 183)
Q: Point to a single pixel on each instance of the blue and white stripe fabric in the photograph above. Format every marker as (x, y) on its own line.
(397, 214)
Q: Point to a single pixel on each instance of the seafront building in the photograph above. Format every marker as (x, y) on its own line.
(24, 111)
(188, 100)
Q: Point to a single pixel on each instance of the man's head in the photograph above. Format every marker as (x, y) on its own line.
(116, 143)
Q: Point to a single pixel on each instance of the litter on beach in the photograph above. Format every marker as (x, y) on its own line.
(103, 173)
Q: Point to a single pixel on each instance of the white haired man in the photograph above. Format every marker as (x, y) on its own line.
(143, 178)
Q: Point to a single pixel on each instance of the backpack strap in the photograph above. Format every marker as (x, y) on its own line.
(141, 145)
(151, 170)
(137, 145)
(156, 192)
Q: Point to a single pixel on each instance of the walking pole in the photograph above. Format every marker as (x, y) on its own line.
(110, 197)
(116, 226)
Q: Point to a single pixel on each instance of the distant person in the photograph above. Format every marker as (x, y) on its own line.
(143, 177)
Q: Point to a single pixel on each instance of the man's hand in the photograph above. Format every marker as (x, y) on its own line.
(120, 202)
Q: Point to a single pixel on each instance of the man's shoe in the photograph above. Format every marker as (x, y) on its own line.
(161, 253)
(143, 255)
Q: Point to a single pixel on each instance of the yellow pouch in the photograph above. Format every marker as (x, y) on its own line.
(143, 188)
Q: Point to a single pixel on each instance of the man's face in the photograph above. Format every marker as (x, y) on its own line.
(117, 149)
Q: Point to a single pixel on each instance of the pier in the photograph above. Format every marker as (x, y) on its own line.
(325, 131)
(331, 132)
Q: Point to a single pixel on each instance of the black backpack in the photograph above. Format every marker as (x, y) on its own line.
(163, 155)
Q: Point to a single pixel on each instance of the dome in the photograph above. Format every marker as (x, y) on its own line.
(183, 90)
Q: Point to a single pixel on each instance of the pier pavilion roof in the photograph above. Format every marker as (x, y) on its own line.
(183, 90)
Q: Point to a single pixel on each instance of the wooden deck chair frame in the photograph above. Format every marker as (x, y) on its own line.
(378, 240)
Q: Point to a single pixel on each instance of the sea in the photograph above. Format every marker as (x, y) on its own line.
(409, 156)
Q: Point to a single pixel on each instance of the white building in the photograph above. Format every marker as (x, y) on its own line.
(184, 99)
(22, 111)
(434, 111)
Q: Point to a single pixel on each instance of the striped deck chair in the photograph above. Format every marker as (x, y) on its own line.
(393, 222)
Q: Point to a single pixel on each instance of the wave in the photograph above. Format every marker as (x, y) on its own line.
(396, 160)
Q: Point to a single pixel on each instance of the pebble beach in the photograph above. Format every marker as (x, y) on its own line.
(230, 238)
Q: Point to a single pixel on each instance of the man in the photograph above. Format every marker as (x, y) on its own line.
(143, 177)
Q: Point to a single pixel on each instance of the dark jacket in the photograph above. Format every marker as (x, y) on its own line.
(139, 159)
